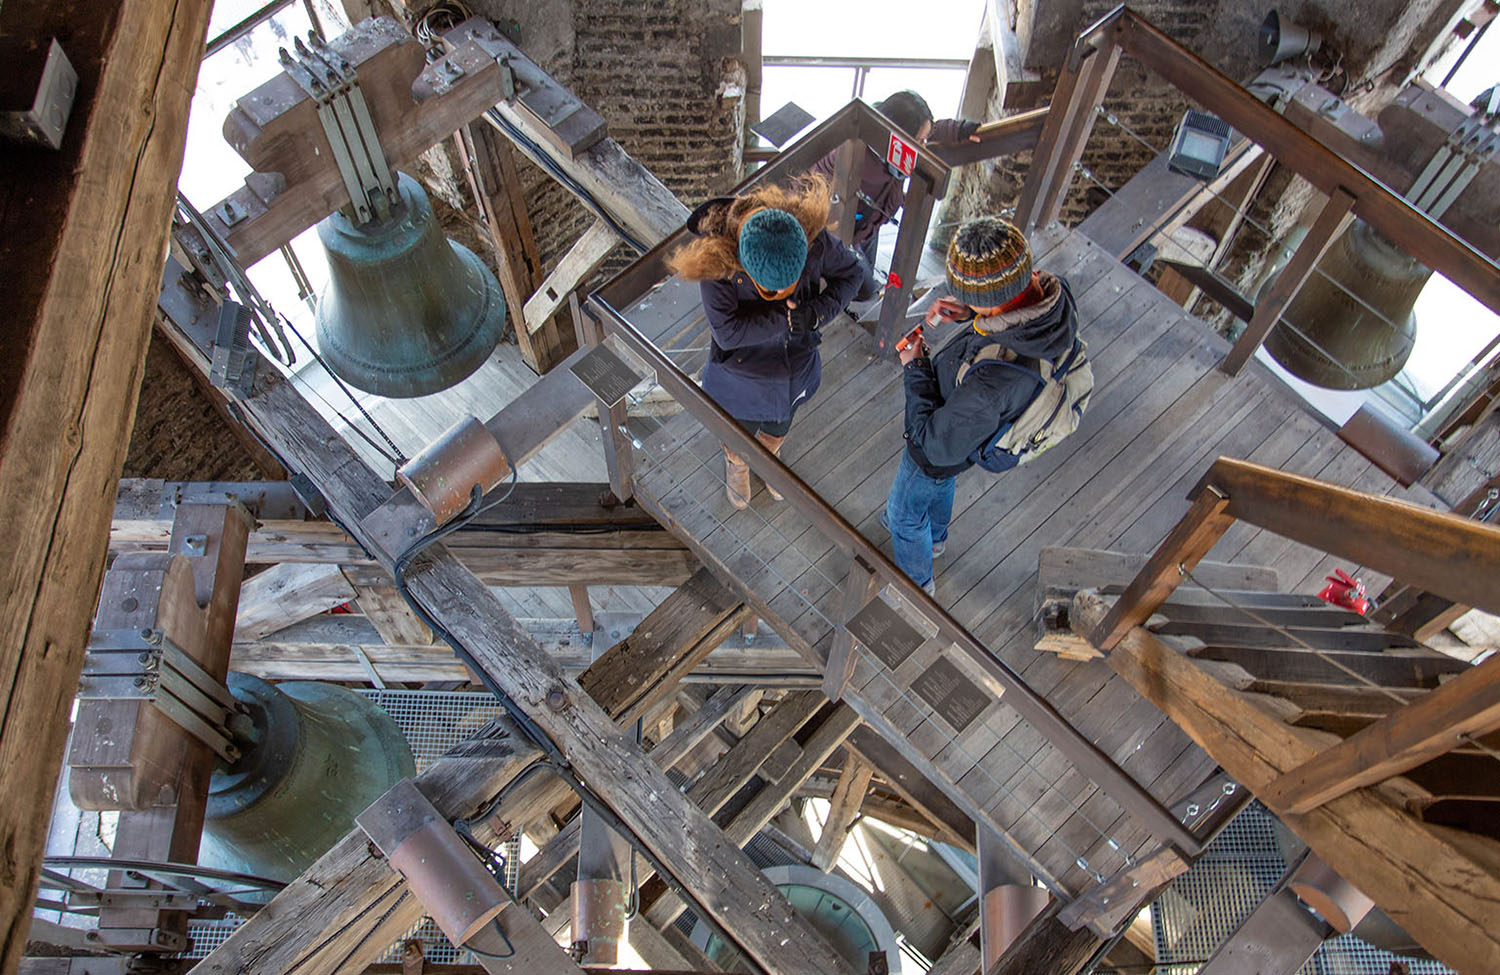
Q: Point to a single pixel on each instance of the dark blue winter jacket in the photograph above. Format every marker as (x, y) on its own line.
(758, 367)
(946, 421)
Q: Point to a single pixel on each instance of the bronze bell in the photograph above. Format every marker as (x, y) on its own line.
(406, 312)
(315, 756)
(1358, 332)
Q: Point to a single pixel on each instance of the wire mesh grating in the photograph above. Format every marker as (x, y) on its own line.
(1201, 908)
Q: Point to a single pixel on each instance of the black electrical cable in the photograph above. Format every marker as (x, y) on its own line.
(564, 177)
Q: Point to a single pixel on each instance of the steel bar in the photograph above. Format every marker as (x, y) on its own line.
(1032, 707)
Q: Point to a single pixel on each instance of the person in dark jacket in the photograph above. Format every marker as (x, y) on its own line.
(882, 187)
(771, 276)
(1028, 313)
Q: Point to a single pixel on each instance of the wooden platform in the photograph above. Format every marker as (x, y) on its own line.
(1160, 414)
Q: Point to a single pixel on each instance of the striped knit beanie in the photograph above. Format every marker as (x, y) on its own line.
(989, 263)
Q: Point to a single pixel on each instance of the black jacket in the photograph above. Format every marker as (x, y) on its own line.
(946, 422)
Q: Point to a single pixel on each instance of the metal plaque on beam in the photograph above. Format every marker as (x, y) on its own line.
(885, 633)
(606, 375)
(955, 698)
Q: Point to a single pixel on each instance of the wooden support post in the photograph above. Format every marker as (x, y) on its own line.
(82, 233)
(847, 164)
(915, 215)
(848, 796)
(860, 586)
(1187, 543)
(194, 607)
(1437, 884)
(582, 611)
(752, 18)
(953, 825)
(619, 456)
(1332, 220)
(496, 185)
(1081, 87)
(1434, 724)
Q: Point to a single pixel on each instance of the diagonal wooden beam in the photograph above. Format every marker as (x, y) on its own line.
(1467, 705)
(82, 234)
(848, 796)
(1437, 884)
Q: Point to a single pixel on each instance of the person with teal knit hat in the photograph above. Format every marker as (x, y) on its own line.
(771, 276)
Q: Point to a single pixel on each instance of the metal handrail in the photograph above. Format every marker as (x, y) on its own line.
(1035, 709)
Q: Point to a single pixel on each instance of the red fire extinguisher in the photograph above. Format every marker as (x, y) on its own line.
(1346, 591)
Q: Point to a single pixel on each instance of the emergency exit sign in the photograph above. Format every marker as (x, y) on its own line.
(901, 154)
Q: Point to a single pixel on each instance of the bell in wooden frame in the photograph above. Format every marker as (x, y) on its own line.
(1351, 325)
(406, 311)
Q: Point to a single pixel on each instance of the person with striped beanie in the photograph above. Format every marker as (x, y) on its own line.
(952, 409)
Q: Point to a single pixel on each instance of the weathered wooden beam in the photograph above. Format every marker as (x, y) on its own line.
(1187, 543)
(287, 594)
(582, 259)
(392, 618)
(843, 807)
(953, 825)
(1439, 886)
(1466, 706)
(324, 648)
(82, 233)
(1443, 553)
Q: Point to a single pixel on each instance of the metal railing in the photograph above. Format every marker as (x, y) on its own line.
(861, 126)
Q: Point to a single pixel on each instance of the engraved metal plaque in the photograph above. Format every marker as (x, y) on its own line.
(950, 693)
(606, 375)
(885, 633)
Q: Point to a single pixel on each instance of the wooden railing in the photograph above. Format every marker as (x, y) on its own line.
(1447, 554)
(1351, 191)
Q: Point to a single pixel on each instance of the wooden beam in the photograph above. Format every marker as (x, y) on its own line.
(1466, 706)
(848, 797)
(495, 181)
(584, 258)
(1332, 219)
(860, 585)
(82, 234)
(1443, 553)
(392, 618)
(1081, 86)
(1431, 881)
(1184, 546)
(953, 824)
(287, 594)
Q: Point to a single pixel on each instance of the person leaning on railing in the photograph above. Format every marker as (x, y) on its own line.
(771, 275)
(882, 187)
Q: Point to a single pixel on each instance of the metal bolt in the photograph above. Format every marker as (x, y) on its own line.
(194, 546)
(130, 604)
(557, 698)
(1192, 809)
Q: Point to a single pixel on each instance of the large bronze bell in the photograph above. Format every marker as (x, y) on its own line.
(319, 754)
(406, 311)
(1357, 332)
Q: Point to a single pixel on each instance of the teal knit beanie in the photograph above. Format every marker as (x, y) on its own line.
(773, 249)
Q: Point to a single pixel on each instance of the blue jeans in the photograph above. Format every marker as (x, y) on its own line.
(918, 510)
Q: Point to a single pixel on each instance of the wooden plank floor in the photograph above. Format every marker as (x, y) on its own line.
(1160, 414)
